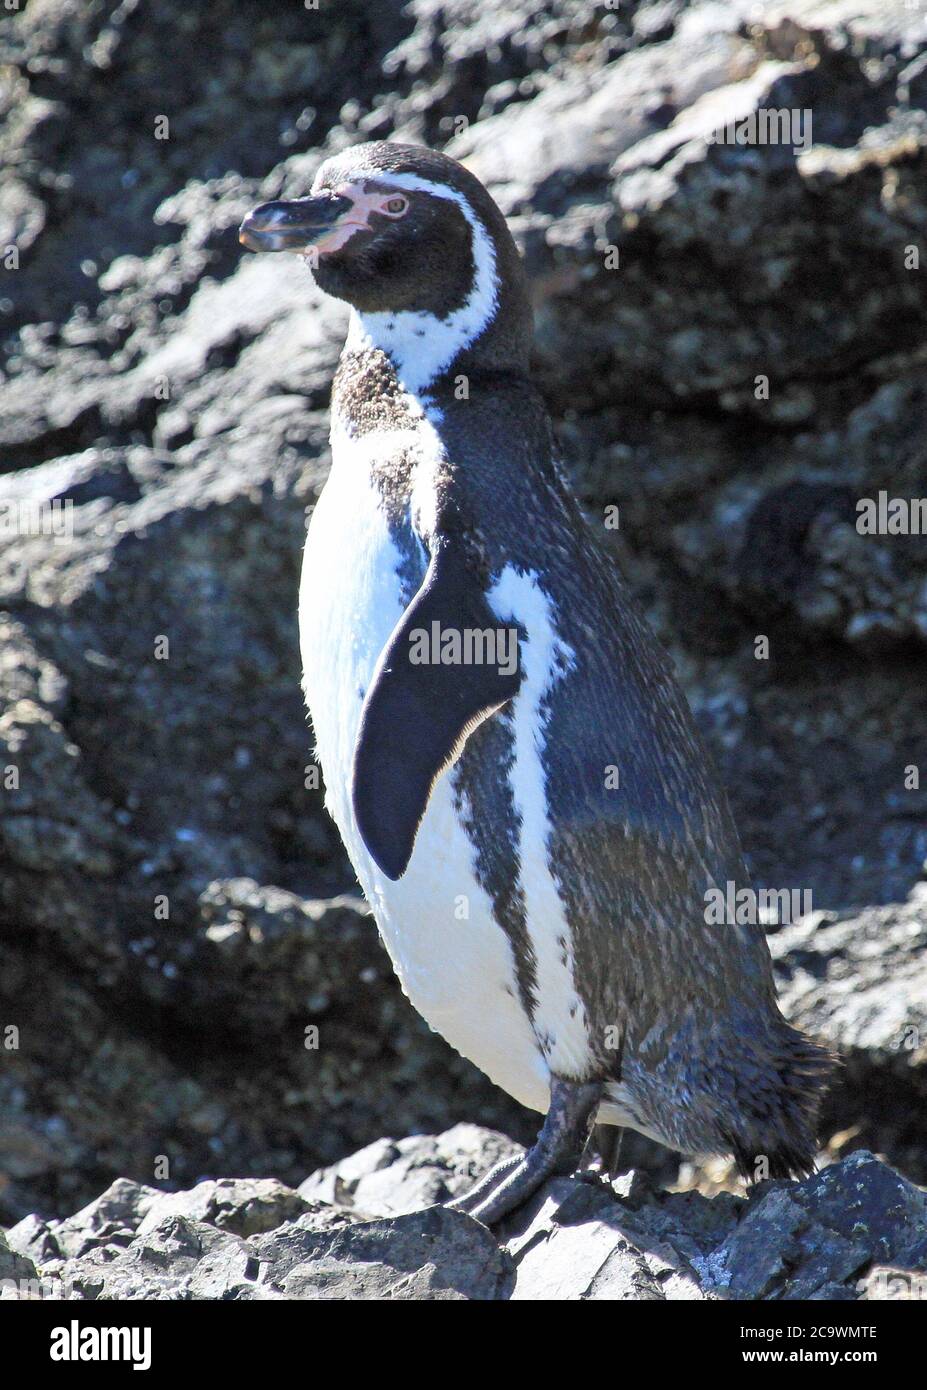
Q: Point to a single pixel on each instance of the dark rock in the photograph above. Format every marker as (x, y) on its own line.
(34, 1238)
(14, 1266)
(113, 1218)
(431, 1254)
(795, 1241)
(161, 1103)
(863, 1200)
(761, 1254)
(178, 1259)
(245, 1206)
(577, 1242)
(408, 1174)
(860, 982)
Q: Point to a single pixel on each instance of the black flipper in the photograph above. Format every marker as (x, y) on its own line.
(416, 717)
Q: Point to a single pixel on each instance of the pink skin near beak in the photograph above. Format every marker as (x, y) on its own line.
(356, 220)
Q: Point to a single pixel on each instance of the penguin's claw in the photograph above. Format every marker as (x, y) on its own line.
(607, 1139)
(558, 1149)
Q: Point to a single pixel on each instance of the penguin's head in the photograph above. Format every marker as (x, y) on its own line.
(403, 234)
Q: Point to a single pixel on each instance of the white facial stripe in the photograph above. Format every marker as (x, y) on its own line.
(421, 345)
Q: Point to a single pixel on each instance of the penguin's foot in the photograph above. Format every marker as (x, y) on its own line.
(558, 1150)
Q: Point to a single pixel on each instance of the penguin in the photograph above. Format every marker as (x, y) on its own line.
(515, 773)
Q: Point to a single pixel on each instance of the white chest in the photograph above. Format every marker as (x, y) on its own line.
(453, 960)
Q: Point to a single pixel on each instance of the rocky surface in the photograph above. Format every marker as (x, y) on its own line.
(371, 1227)
(173, 918)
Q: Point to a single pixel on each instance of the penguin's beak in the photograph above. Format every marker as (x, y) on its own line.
(293, 226)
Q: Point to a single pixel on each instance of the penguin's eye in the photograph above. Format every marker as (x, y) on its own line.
(396, 206)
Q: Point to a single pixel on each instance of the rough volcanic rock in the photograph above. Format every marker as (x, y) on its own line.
(405, 1175)
(855, 1230)
(276, 1061)
(172, 918)
(860, 982)
(14, 1266)
(112, 70)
